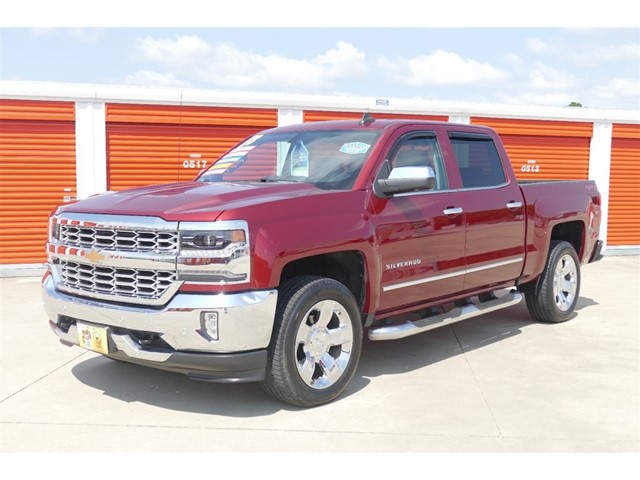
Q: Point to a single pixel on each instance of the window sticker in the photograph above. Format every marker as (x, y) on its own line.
(300, 160)
(241, 150)
(223, 165)
(355, 148)
(251, 140)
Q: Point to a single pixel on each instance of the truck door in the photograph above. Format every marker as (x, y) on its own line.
(421, 243)
(493, 207)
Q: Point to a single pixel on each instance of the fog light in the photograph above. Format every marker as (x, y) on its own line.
(209, 322)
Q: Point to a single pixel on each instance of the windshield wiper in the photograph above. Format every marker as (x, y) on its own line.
(276, 179)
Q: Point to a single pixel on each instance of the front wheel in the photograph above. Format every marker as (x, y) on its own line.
(316, 343)
(553, 297)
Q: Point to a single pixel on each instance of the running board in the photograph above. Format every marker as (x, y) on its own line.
(406, 329)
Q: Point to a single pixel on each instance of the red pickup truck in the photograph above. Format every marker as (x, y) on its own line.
(272, 263)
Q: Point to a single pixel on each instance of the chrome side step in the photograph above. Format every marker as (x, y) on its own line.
(406, 329)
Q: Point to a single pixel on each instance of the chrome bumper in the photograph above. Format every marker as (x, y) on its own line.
(245, 321)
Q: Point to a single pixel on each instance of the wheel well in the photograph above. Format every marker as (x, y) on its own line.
(345, 267)
(572, 232)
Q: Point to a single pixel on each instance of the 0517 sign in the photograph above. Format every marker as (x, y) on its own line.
(199, 164)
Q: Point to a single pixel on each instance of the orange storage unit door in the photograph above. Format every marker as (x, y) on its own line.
(150, 144)
(544, 150)
(37, 173)
(624, 187)
(320, 116)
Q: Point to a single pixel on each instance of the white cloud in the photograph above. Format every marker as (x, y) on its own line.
(620, 90)
(537, 98)
(543, 77)
(440, 68)
(537, 46)
(587, 52)
(511, 77)
(609, 53)
(223, 64)
(42, 31)
(617, 93)
(149, 78)
(184, 49)
(85, 35)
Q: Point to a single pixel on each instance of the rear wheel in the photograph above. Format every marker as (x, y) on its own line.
(316, 343)
(553, 297)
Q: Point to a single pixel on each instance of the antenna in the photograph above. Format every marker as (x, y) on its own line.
(367, 119)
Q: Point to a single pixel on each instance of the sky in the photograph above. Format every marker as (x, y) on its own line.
(593, 60)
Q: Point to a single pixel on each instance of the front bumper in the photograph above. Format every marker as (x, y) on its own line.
(171, 338)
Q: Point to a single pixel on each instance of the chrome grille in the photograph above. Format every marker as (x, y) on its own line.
(123, 282)
(119, 239)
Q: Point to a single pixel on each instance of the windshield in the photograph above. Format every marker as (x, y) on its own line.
(329, 159)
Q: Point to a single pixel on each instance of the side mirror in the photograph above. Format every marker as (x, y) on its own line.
(407, 179)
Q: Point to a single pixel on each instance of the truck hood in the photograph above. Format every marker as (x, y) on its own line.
(190, 200)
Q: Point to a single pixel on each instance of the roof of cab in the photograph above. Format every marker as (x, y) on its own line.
(377, 124)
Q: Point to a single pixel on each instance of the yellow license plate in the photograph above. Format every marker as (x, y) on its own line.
(93, 338)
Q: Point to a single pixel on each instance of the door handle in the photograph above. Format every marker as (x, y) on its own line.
(452, 211)
(514, 205)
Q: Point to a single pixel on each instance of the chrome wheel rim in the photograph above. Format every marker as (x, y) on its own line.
(565, 282)
(324, 343)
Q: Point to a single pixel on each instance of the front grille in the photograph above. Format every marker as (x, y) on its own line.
(129, 240)
(123, 282)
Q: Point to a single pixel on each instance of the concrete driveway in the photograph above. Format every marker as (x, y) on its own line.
(498, 383)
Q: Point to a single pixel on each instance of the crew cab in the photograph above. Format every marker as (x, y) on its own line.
(275, 261)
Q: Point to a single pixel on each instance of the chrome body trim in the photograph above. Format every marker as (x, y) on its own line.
(494, 265)
(436, 278)
(452, 211)
(113, 258)
(406, 329)
(121, 258)
(245, 320)
(123, 222)
(169, 292)
(140, 260)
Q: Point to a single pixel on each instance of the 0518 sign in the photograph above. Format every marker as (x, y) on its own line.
(530, 167)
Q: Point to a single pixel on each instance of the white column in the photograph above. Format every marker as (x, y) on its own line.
(290, 116)
(600, 168)
(465, 119)
(91, 149)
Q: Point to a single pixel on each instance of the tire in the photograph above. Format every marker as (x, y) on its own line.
(553, 297)
(316, 342)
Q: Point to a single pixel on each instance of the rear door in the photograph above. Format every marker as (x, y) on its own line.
(493, 208)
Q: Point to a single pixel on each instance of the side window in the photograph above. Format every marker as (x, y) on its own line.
(478, 161)
(420, 151)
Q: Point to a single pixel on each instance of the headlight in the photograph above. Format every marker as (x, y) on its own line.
(214, 252)
(54, 228)
(54, 225)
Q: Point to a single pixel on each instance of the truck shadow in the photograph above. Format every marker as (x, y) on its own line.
(136, 384)
(429, 348)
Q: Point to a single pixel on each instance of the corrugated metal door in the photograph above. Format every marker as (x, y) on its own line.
(149, 144)
(624, 192)
(37, 172)
(544, 150)
(320, 116)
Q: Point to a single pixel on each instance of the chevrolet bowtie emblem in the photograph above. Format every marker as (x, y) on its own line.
(95, 256)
